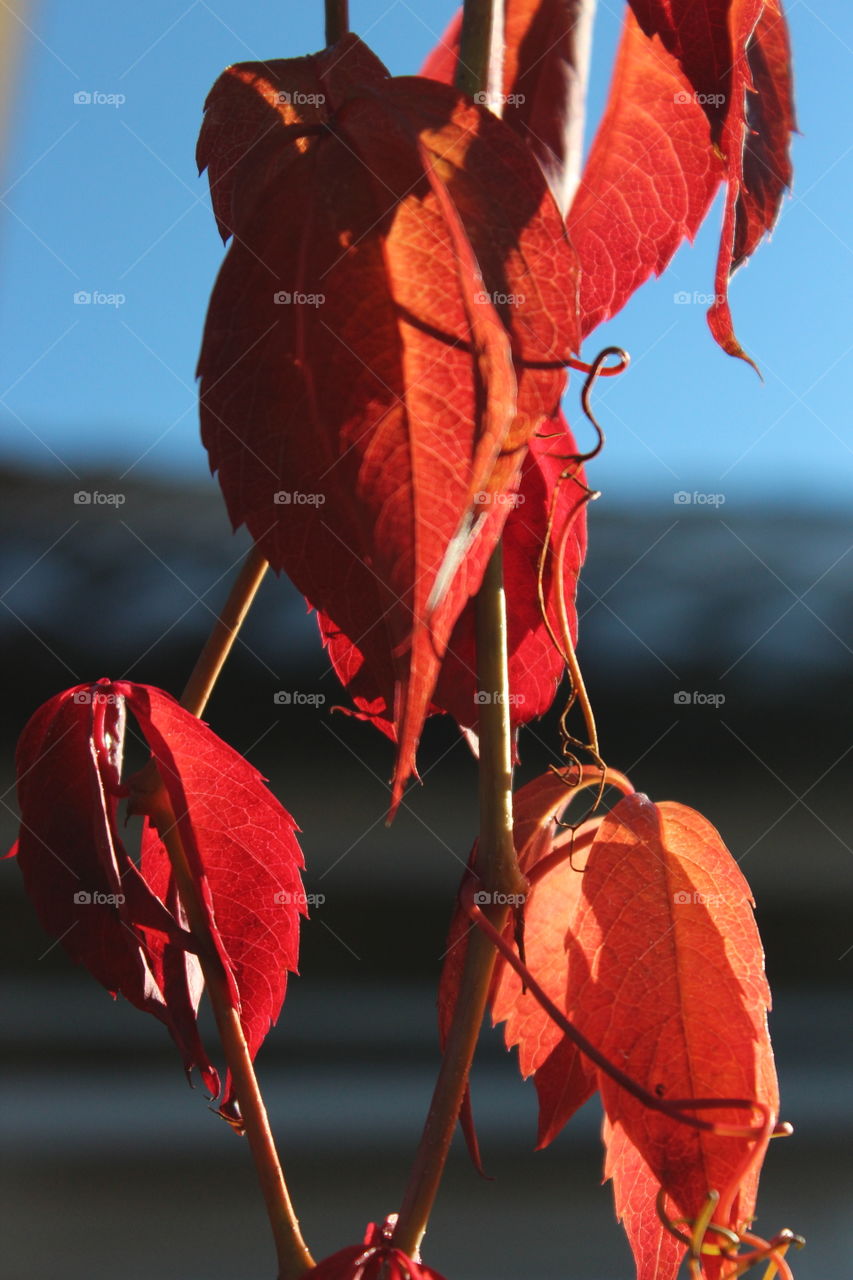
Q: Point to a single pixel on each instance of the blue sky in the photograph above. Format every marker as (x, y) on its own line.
(104, 197)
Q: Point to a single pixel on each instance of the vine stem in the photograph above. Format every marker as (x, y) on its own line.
(478, 70)
(294, 1258)
(337, 20)
(220, 642)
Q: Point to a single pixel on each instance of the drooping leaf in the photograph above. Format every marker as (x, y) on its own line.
(86, 890)
(656, 1251)
(756, 142)
(700, 93)
(241, 847)
(376, 1259)
(736, 57)
(666, 979)
(122, 920)
(542, 97)
(563, 1077)
(426, 300)
(551, 489)
(648, 181)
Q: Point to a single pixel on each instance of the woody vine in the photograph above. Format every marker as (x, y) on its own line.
(401, 453)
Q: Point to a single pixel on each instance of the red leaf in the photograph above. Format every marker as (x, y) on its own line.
(756, 141)
(242, 848)
(656, 1251)
(696, 32)
(381, 411)
(123, 921)
(767, 170)
(736, 57)
(564, 1079)
(376, 1259)
(679, 1004)
(648, 181)
(535, 665)
(562, 1076)
(539, 98)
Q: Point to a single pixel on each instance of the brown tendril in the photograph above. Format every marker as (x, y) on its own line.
(569, 743)
(770, 1251)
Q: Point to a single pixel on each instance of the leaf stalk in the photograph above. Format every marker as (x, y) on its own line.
(294, 1258)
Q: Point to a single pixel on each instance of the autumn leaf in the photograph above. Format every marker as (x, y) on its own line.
(123, 920)
(679, 1003)
(542, 93)
(656, 1251)
(551, 491)
(648, 181)
(736, 57)
(376, 1259)
(562, 1076)
(700, 94)
(385, 335)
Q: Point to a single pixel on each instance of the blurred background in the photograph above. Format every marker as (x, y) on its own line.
(716, 641)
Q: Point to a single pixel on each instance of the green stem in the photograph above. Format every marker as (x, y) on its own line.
(294, 1258)
(221, 639)
(498, 871)
(337, 20)
(496, 863)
